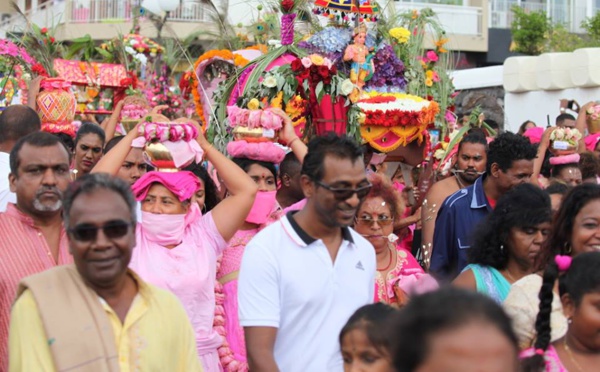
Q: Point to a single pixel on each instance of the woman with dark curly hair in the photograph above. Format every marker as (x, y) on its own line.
(507, 244)
(577, 230)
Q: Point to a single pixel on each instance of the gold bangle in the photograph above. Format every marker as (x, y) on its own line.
(292, 141)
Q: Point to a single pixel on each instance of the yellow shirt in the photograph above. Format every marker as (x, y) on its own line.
(156, 335)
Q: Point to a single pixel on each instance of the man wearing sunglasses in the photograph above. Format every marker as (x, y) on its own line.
(302, 277)
(32, 237)
(97, 315)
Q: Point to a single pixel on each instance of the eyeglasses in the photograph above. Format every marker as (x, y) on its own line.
(368, 221)
(112, 230)
(345, 193)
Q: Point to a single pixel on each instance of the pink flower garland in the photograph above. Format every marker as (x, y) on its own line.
(163, 132)
(225, 354)
(253, 118)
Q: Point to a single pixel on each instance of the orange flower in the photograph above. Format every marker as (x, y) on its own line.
(428, 82)
(440, 45)
(415, 14)
(225, 54)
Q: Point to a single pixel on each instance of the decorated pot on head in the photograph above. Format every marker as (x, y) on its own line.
(168, 145)
(564, 141)
(56, 105)
(255, 133)
(135, 108)
(593, 119)
(563, 145)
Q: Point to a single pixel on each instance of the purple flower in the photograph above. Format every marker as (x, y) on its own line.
(389, 70)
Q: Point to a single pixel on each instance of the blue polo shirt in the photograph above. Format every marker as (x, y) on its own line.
(456, 221)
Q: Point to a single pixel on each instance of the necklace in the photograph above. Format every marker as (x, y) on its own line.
(510, 277)
(389, 264)
(571, 356)
(460, 184)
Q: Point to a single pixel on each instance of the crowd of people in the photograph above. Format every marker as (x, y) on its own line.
(319, 263)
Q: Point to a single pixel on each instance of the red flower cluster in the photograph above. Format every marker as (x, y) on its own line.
(39, 70)
(315, 74)
(379, 99)
(287, 5)
(391, 118)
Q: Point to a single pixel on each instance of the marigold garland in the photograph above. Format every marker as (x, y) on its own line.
(236, 59)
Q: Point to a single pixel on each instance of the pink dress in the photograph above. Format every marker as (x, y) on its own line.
(406, 268)
(188, 271)
(233, 353)
(552, 361)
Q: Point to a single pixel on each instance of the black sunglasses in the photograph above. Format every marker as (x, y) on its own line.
(345, 193)
(86, 232)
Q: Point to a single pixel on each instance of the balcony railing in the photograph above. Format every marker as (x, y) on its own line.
(566, 14)
(107, 11)
(455, 19)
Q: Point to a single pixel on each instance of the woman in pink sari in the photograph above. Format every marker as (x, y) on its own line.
(398, 272)
(177, 247)
(264, 211)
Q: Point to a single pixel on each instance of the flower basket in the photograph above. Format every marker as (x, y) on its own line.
(135, 108)
(391, 120)
(169, 146)
(329, 115)
(56, 103)
(564, 141)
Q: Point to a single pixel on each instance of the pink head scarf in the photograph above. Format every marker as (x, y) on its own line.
(591, 141)
(183, 184)
(534, 134)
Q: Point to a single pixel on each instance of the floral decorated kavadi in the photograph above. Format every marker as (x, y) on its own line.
(353, 77)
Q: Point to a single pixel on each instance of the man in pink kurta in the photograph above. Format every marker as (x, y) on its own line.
(32, 236)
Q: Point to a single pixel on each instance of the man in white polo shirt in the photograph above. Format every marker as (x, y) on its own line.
(302, 277)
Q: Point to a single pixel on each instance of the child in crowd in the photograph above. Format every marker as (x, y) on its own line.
(579, 286)
(364, 341)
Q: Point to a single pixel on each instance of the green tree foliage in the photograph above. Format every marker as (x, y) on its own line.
(592, 26)
(529, 30)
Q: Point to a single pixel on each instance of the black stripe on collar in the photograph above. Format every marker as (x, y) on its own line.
(307, 239)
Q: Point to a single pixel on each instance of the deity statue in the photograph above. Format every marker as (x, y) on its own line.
(362, 66)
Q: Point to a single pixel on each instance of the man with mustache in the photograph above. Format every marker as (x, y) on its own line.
(509, 163)
(33, 238)
(303, 276)
(470, 163)
(98, 315)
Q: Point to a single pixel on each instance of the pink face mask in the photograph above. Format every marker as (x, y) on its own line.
(398, 186)
(262, 207)
(163, 229)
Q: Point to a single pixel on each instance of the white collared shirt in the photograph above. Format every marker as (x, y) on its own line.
(288, 281)
(5, 195)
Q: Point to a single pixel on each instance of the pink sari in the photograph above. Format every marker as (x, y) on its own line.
(407, 269)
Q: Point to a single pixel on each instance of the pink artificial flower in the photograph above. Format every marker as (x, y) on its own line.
(306, 62)
(432, 56)
(450, 118)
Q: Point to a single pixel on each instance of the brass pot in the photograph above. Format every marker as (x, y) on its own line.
(158, 155)
(255, 134)
(129, 123)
